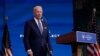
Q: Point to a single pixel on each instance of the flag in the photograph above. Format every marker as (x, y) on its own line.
(93, 49)
(6, 47)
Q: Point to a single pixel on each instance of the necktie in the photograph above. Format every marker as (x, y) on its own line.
(40, 26)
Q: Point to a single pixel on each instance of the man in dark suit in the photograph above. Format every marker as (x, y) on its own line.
(36, 35)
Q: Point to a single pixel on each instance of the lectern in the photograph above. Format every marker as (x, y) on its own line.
(77, 40)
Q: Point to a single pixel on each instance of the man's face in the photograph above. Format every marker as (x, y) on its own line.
(38, 12)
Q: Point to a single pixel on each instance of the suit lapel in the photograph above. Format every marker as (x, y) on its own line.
(44, 27)
(35, 27)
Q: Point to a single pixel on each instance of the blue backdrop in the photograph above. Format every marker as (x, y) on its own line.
(58, 14)
(1, 21)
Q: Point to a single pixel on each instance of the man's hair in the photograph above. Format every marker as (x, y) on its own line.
(37, 7)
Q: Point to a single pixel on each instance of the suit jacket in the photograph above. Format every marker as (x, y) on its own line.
(33, 39)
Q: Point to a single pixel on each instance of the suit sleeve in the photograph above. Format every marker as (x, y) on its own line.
(48, 42)
(27, 30)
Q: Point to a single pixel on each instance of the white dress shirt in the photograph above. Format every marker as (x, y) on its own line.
(36, 20)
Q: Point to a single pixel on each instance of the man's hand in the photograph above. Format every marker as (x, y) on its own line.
(30, 53)
(50, 53)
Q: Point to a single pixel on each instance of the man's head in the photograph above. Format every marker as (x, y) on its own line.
(38, 11)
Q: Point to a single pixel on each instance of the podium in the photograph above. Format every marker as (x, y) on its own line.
(77, 40)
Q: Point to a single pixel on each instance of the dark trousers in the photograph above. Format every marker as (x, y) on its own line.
(43, 51)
